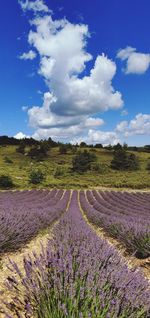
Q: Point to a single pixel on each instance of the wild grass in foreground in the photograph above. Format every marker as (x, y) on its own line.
(78, 275)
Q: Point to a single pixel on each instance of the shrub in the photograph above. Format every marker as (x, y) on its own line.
(82, 161)
(74, 150)
(100, 168)
(5, 182)
(7, 160)
(100, 146)
(21, 148)
(38, 152)
(83, 144)
(59, 171)
(36, 176)
(133, 162)
(148, 166)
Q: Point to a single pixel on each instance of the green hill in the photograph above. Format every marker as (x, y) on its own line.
(57, 169)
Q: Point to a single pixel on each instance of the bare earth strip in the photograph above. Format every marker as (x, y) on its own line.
(131, 260)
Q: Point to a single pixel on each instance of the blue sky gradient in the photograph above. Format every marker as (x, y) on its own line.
(113, 25)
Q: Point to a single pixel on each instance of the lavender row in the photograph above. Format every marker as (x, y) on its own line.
(78, 275)
(21, 221)
(110, 203)
(125, 199)
(132, 231)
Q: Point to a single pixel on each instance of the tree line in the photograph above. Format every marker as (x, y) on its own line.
(6, 141)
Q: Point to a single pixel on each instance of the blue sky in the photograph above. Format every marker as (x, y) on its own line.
(60, 74)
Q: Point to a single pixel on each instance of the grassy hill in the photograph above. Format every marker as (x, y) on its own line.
(57, 169)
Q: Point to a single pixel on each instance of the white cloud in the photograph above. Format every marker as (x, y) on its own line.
(21, 135)
(43, 117)
(93, 122)
(24, 108)
(104, 137)
(31, 55)
(140, 125)
(59, 127)
(98, 136)
(137, 63)
(73, 99)
(35, 6)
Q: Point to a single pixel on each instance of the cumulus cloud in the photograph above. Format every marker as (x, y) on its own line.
(48, 123)
(35, 6)
(104, 137)
(73, 99)
(31, 55)
(21, 135)
(98, 136)
(136, 63)
(140, 125)
(78, 134)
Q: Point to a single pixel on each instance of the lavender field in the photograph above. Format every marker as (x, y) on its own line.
(125, 216)
(78, 274)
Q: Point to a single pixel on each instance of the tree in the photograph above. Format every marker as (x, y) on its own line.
(124, 161)
(83, 144)
(98, 146)
(52, 143)
(39, 152)
(34, 152)
(117, 147)
(133, 162)
(109, 147)
(82, 161)
(119, 161)
(5, 182)
(44, 147)
(36, 176)
(147, 148)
